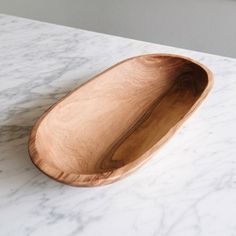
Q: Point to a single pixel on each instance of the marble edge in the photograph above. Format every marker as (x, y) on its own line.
(120, 37)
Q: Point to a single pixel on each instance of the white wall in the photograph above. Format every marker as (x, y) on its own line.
(203, 25)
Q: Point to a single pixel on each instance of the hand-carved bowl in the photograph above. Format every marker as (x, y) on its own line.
(109, 126)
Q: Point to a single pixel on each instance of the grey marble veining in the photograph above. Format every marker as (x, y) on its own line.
(187, 188)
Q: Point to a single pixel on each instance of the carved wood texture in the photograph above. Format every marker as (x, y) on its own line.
(109, 126)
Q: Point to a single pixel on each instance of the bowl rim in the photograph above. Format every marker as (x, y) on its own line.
(88, 180)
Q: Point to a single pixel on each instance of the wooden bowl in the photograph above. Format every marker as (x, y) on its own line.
(109, 126)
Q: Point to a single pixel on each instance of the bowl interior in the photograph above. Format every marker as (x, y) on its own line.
(116, 117)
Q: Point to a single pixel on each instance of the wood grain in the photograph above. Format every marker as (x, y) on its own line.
(109, 126)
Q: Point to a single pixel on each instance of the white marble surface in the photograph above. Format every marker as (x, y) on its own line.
(189, 186)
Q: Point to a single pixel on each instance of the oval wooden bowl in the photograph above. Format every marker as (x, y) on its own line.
(109, 126)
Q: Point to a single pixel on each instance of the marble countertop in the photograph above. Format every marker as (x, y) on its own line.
(187, 188)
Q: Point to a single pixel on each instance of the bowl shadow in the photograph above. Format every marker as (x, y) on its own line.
(17, 170)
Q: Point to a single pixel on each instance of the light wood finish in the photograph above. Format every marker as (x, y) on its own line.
(109, 126)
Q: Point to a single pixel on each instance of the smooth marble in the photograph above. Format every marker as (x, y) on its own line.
(187, 188)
